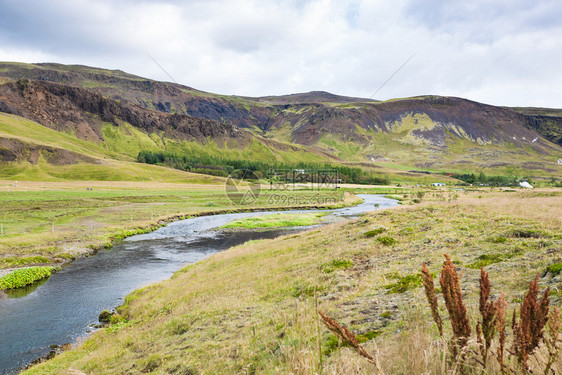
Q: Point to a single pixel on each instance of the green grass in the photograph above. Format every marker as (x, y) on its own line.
(277, 221)
(25, 276)
(17, 261)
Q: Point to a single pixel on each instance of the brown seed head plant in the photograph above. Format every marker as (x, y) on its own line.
(501, 306)
(529, 331)
(451, 289)
(431, 297)
(346, 336)
(486, 327)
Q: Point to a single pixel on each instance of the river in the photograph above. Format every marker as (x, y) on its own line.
(64, 308)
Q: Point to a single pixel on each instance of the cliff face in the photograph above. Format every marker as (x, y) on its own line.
(82, 112)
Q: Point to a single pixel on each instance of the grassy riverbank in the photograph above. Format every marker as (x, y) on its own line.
(276, 221)
(44, 223)
(25, 276)
(252, 309)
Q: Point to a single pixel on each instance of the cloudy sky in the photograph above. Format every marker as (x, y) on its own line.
(505, 52)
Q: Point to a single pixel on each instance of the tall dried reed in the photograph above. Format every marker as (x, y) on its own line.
(452, 294)
(529, 329)
(431, 297)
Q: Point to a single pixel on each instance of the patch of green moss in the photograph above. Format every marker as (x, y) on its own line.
(336, 264)
(498, 239)
(367, 336)
(387, 241)
(554, 269)
(405, 283)
(374, 232)
(487, 259)
(526, 233)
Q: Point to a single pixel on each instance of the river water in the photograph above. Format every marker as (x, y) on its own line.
(64, 308)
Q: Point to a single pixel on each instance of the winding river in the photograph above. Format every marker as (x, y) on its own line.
(66, 307)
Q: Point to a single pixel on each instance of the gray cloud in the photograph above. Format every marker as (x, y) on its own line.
(495, 51)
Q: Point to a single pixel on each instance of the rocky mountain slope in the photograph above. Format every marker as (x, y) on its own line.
(428, 132)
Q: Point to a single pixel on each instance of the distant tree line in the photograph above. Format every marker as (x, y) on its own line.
(482, 179)
(219, 166)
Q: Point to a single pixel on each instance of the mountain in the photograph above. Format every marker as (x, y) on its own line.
(428, 132)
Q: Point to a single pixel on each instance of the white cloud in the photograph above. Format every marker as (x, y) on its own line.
(495, 51)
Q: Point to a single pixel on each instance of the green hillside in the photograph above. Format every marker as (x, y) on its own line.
(104, 161)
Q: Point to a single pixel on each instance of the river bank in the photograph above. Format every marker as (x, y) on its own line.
(254, 307)
(126, 265)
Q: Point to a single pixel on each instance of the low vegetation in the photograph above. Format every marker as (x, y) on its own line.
(25, 276)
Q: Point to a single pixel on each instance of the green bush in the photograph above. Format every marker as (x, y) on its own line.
(25, 276)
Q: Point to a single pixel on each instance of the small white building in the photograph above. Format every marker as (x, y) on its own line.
(437, 184)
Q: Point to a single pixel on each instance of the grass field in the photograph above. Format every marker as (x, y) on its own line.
(44, 222)
(253, 308)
